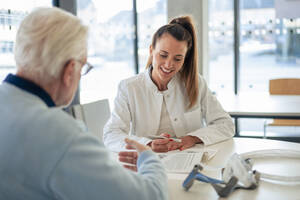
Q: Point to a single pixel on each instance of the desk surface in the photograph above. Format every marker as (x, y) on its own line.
(266, 190)
(261, 105)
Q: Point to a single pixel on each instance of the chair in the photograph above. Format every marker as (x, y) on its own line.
(284, 86)
(94, 114)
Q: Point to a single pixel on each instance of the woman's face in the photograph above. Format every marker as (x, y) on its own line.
(167, 58)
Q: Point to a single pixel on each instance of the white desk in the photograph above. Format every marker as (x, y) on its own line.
(266, 190)
(261, 105)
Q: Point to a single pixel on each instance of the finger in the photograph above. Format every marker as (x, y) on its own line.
(129, 160)
(160, 148)
(186, 147)
(128, 154)
(183, 148)
(129, 146)
(165, 135)
(175, 145)
(160, 141)
(171, 147)
(172, 143)
(133, 168)
(139, 147)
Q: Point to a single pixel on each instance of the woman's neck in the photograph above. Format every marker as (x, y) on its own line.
(160, 86)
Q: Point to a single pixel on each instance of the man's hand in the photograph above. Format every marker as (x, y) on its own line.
(132, 144)
(131, 157)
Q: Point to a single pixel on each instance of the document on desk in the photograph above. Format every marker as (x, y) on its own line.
(180, 162)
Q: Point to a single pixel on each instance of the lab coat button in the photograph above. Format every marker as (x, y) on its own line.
(175, 119)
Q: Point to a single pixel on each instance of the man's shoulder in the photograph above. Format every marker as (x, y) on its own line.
(60, 120)
(33, 114)
(54, 128)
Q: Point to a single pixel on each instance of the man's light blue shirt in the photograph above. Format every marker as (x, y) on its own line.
(46, 154)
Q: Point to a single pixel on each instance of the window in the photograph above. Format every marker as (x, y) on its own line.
(110, 47)
(151, 16)
(268, 47)
(111, 42)
(268, 50)
(12, 13)
(220, 45)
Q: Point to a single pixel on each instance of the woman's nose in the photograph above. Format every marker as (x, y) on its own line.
(168, 63)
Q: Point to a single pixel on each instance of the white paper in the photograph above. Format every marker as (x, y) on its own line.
(181, 162)
(184, 161)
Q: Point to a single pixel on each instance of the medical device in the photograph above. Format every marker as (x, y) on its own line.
(238, 172)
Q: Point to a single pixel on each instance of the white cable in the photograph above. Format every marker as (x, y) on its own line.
(274, 153)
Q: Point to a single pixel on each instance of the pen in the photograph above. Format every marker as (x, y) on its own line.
(153, 137)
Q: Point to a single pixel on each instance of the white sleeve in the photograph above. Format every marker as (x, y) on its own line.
(118, 126)
(86, 171)
(219, 125)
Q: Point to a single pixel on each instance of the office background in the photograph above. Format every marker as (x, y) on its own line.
(242, 44)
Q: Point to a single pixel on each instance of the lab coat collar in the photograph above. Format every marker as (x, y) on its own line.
(151, 84)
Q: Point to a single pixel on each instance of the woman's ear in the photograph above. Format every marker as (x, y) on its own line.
(68, 73)
(150, 50)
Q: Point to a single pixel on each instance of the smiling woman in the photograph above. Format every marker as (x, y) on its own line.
(179, 38)
(169, 99)
(168, 57)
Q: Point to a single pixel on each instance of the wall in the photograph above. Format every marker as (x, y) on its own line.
(198, 9)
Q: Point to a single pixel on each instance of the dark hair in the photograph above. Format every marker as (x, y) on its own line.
(183, 29)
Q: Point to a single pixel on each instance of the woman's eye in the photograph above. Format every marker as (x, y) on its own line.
(163, 56)
(177, 59)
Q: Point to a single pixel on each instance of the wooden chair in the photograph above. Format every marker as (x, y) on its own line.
(284, 86)
(94, 114)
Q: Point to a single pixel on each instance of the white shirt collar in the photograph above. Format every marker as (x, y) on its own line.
(151, 84)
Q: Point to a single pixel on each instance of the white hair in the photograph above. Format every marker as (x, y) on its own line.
(47, 39)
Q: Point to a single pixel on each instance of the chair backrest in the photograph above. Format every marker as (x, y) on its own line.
(94, 114)
(285, 86)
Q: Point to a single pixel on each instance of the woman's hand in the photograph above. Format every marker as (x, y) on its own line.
(189, 141)
(164, 145)
(160, 145)
(173, 145)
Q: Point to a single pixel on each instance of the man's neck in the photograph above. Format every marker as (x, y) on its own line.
(49, 87)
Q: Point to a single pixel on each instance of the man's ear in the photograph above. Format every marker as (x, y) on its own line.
(68, 73)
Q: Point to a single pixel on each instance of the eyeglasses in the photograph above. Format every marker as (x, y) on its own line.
(86, 68)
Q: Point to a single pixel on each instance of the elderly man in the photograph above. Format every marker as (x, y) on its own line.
(44, 152)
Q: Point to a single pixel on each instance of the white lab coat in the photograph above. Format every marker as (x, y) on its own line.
(137, 112)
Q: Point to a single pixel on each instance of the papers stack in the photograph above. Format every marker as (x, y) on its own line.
(184, 161)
